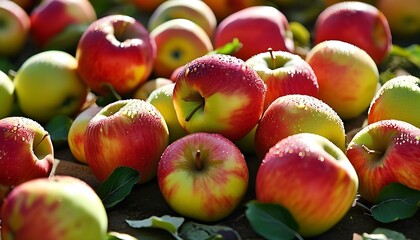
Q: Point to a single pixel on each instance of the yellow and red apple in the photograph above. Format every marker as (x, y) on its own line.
(144, 90)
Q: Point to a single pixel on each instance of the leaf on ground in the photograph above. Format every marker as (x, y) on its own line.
(383, 234)
(166, 222)
(272, 221)
(118, 186)
(58, 128)
(192, 231)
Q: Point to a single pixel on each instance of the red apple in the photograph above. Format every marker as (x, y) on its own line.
(219, 93)
(26, 151)
(203, 176)
(312, 178)
(224, 8)
(295, 113)
(358, 23)
(128, 133)
(257, 28)
(384, 152)
(284, 73)
(52, 18)
(59, 207)
(115, 50)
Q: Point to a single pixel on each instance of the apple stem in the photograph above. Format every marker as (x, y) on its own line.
(370, 151)
(197, 160)
(194, 110)
(273, 58)
(42, 139)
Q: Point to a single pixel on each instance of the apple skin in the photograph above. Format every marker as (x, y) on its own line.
(59, 207)
(14, 29)
(76, 134)
(128, 133)
(396, 99)
(203, 176)
(162, 99)
(146, 6)
(212, 83)
(358, 23)
(178, 41)
(224, 8)
(7, 90)
(144, 90)
(284, 73)
(347, 77)
(402, 16)
(384, 152)
(266, 22)
(128, 42)
(64, 13)
(295, 113)
(196, 11)
(27, 151)
(312, 178)
(47, 84)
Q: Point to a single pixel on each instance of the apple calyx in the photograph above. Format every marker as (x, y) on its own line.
(197, 160)
(194, 98)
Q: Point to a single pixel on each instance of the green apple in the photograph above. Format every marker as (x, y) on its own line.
(47, 84)
(144, 90)
(7, 89)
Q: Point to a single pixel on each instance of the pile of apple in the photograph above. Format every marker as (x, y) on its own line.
(192, 117)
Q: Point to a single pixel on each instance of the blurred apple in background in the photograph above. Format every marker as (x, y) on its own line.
(284, 73)
(312, 178)
(403, 16)
(27, 5)
(196, 11)
(399, 99)
(76, 134)
(144, 90)
(224, 8)
(219, 93)
(129, 133)
(59, 24)
(178, 41)
(14, 28)
(47, 84)
(384, 152)
(55, 208)
(347, 77)
(203, 176)
(147, 6)
(162, 99)
(26, 151)
(7, 98)
(358, 23)
(295, 113)
(115, 50)
(257, 28)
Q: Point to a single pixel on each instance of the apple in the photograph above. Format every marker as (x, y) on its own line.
(296, 113)
(347, 77)
(144, 90)
(26, 151)
(4, 190)
(203, 176)
(219, 93)
(247, 143)
(47, 84)
(59, 207)
(146, 6)
(398, 99)
(76, 134)
(402, 16)
(162, 99)
(197, 11)
(384, 152)
(358, 23)
(257, 28)
(7, 98)
(14, 28)
(312, 178)
(129, 133)
(60, 16)
(178, 41)
(284, 73)
(116, 50)
(224, 8)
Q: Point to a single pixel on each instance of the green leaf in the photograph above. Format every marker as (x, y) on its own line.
(119, 236)
(383, 234)
(272, 221)
(58, 128)
(397, 190)
(228, 48)
(167, 223)
(191, 231)
(118, 186)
